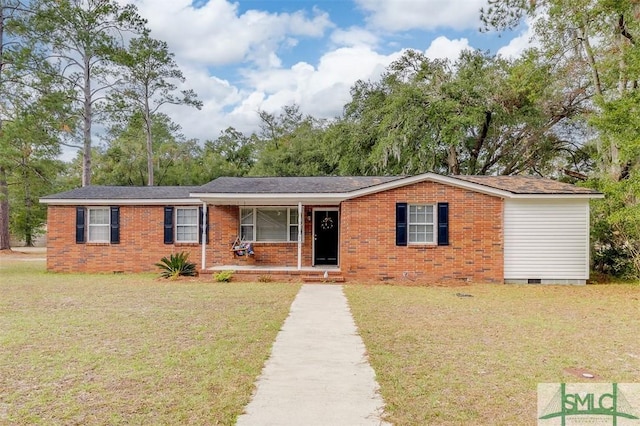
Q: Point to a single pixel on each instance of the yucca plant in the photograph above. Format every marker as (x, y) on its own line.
(177, 265)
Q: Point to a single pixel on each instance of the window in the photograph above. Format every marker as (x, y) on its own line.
(269, 224)
(187, 225)
(293, 224)
(246, 224)
(421, 223)
(98, 225)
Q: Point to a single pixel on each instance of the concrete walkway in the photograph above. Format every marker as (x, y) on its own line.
(318, 373)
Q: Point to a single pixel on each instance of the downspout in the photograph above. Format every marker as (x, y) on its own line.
(205, 213)
(300, 231)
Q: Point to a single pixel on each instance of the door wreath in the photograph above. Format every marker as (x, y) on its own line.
(326, 223)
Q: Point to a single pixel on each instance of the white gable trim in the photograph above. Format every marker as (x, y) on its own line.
(446, 180)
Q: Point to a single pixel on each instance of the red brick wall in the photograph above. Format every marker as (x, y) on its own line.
(367, 240)
(475, 253)
(141, 243)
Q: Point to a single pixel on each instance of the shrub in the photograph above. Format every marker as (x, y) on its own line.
(223, 276)
(177, 265)
(265, 278)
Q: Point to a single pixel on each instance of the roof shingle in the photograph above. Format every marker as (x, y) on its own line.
(309, 185)
(293, 185)
(526, 185)
(125, 193)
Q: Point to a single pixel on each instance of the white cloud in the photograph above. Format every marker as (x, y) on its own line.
(354, 36)
(217, 34)
(519, 44)
(443, 48)
(322, 91)
(400, 15)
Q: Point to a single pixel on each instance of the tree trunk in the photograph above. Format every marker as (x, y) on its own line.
(87, 115)
(147, 131)
(452, 159)
(28, 204)
(595, 74)
(5, 243)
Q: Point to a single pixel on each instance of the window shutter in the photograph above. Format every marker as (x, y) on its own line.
(204, 221)
(168, 225)
(401, 224)
(115, 225)
(80, 225)
(443, 224)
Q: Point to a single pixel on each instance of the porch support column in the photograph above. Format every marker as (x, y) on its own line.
(300, 231)
(205, 213)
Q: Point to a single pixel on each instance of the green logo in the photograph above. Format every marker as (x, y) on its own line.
(610, 403)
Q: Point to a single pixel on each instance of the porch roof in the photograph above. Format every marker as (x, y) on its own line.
(326, 190)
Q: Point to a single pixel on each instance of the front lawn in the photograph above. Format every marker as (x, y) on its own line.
(475, 354)
(130, 349)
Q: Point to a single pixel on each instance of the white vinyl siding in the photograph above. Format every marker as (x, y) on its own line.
(546, 239)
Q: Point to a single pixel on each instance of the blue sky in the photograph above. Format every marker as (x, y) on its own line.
(250, 55)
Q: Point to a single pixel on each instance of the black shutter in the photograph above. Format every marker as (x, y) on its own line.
(80, 225)
(168, 225)
(115, 225)
(401, 224)
(443, 224)
(204, 221)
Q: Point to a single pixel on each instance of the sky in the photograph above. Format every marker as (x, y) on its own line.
(250, 55)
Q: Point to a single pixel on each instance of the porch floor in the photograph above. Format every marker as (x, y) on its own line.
(274, 268)
(305, 273)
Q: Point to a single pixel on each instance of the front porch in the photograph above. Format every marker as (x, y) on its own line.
(257, 272)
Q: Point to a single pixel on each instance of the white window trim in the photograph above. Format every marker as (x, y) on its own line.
(176, 225)
(98, 225)
(255, 226)
(434, 224)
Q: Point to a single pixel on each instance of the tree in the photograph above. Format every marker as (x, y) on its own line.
(231, 154)
(149, 73)
(124, 161)
(32, 113)
(479, 115)
(597, 42)
(291, 145)
(5, 11)
(33, 175)
(83, 36)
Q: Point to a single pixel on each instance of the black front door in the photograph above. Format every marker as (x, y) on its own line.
(325, 234)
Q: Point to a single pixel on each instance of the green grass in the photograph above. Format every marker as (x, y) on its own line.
(131, 349)
(445, 359)
(134, 349)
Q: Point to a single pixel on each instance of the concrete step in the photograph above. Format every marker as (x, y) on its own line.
(332, 278)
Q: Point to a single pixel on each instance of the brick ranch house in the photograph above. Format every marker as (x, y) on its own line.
(425, 228)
